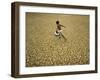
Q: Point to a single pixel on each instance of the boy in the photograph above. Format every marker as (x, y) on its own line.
(59, 30)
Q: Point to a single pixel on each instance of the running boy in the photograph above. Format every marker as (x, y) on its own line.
(58, 29)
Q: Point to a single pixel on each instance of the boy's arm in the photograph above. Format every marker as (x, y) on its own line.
(62, 25)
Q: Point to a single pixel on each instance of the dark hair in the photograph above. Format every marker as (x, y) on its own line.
(57, 22)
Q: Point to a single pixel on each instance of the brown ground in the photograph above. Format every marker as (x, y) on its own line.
(43, 48)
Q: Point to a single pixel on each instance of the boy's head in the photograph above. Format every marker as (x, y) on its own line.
(57, 22)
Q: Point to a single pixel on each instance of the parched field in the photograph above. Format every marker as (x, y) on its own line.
(43, 48)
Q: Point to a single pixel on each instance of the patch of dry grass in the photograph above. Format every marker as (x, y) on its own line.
(43, 48)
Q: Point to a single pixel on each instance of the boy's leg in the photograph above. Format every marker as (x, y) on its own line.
(59, 32)
(63, 36)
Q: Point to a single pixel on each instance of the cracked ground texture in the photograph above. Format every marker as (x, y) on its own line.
(43, 48)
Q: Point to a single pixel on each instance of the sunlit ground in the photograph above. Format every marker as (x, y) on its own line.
(43, 48)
